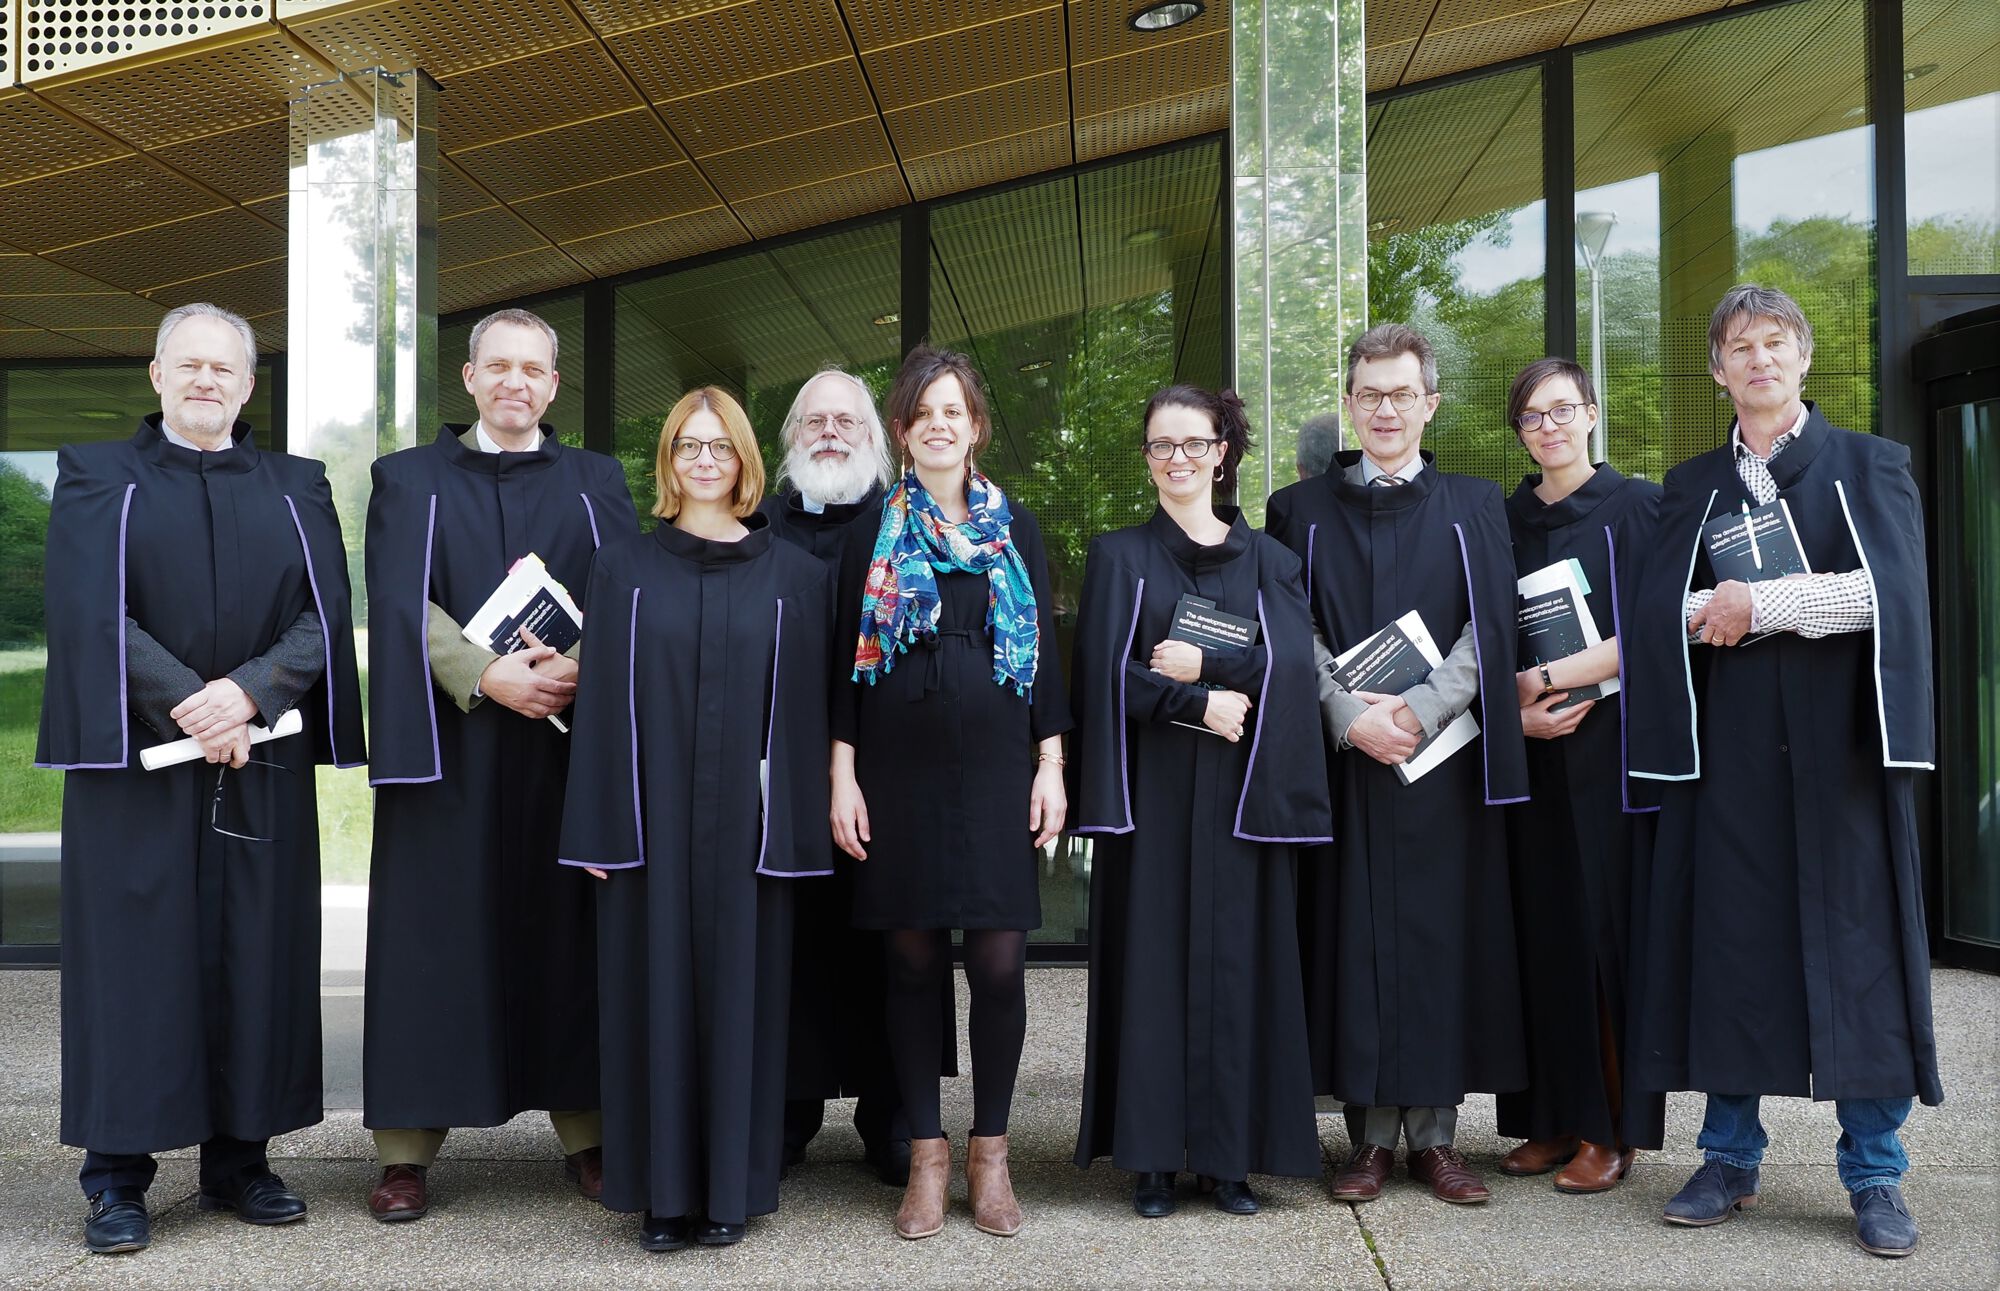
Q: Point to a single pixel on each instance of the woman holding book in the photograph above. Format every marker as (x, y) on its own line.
(697, 792)
(1575, 845)
(1199, 771)
(947, 764)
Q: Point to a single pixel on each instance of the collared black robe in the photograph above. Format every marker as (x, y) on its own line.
(1411, 982)
(698, 778)
(190, 959)
(481, 998)
(839, 1046)
(1575, 845)
(1781, 946)
(1195, 1056)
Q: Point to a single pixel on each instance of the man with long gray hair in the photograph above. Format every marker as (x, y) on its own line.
(196, 594)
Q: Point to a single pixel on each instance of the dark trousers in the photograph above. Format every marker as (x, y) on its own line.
(224, 1161)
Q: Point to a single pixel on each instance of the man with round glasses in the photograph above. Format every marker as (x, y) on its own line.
(1411, 982)
(835, 468)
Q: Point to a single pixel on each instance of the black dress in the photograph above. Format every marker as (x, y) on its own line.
(945, 756)
(479, 948)
(190, 1001)
(699, 778)
(1575, 845)
(1196, 1056)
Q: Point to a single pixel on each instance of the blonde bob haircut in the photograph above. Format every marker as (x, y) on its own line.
(750, 463)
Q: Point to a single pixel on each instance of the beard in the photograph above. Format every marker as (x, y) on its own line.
(203, 420)
(838, 480)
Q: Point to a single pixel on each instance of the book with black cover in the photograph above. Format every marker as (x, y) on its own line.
(1753, 545)
(1199, 623)
(1391, 661)
(529, 597)
(1555, 622)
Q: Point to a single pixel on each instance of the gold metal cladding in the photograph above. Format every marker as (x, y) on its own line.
(620, 203)
(444, 37)
(989, 162)
(1005, 49)
(612, 16)
(1496, 41)
(719, 47)
(252, 290)
(1101, 28)
(535, 92)
(8, 35)
(62, 36)
(1609, 17)
(187, 92)
(457, 194)
(1386, 63)
(1408, 190)
(484, 235)
(812, 157)
(1160, 121)
(515, 275)
(1196, 62)
(876, 23)
(991, 112)
(62, 313)
(570, 155)
(172, 252)
(771, 107)
(236, 163)
(657, 242)
(840, 199)
(96, 201)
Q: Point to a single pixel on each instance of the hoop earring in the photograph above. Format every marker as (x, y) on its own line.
(1218, 474)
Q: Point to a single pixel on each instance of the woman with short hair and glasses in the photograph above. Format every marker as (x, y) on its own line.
(947, 764)
(1199, 772)
(1575, 844)
(697, 792)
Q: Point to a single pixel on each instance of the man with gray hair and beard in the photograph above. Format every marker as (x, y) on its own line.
(836, 468)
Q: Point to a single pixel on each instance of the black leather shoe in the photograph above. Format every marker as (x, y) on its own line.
(709, 1232)
(260, 1199)
(891, 1162)
(1153, 1194)
(670, 1234)
(118, 1222)
(1233, 1197)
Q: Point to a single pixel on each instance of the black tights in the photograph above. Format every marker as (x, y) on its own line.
(996, 963)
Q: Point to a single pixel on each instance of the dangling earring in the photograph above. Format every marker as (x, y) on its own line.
(1218, 474)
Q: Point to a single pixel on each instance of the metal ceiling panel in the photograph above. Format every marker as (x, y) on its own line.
(611, 16)
(1103, 29)
(976, 115)
(619, 203)
(840, 199)
(1004, 49)
(876, 23)
(516, 275)
(244, 165)
(183, 249)
(252, 290)
(583, 153)
(27, 275)
(133, 342)
(484, 235)
(275, 209)
(154, 102)
(1610, 17)
(537, 92)
(770, 107)
(723, 46)
(1385, 63)
(62, 36)
(457, 194)
(661, 241)
(37, 140)
(101, 309)
(807, 158)
(1391, 22)
(96, 201)
(7, 42)
(1195, 63)
(1159, 121)
(1443, 53)
(989, 162)
(444, 37)
(39, 343)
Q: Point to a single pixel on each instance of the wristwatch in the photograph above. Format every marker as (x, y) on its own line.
(1548, 682)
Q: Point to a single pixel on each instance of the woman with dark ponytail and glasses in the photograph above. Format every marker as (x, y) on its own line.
(947, 765)
(1199, 770)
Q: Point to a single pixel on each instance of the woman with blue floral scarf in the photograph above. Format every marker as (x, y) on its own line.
(947, 764)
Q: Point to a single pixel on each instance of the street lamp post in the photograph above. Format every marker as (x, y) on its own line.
(1593, 229)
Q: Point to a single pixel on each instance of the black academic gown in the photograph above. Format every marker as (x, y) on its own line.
(1412, 989)
(945, 756)
(481, 995)
(190, 1003)
(1574, 846)
(1195, 1057)
(704, 678)
(1781, 946)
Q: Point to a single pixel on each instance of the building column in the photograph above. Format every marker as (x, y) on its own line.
(1697, 264)
(1300, 222)
(362, 304)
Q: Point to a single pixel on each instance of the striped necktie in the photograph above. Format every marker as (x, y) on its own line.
(1387, 481)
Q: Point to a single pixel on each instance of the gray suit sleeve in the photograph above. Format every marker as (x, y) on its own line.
(1450, 689)
(1337, 706)
(456, 664)
(276, 679)
(155, 680)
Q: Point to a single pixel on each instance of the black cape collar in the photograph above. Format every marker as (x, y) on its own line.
(151, 442)
(1371, 497)
(835, 513)
(707, 551)
(1187, 551)
(1531, 510)
(472, 459)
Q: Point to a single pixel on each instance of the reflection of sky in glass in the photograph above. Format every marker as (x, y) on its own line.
(1954, 159)
(1506, 256)
(325, 263)
(1636, 203)
(1831, 175)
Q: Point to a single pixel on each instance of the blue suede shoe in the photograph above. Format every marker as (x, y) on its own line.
(1716, 1192)
(1882, 1223)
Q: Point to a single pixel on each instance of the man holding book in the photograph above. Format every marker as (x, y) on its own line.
(482, 988)
(1781, 945)
(196, 593)
(1408, 940)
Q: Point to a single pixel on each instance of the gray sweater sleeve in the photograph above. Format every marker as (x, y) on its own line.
(1450, 689)
(1337, 706)
(155, 681)
(276, 679)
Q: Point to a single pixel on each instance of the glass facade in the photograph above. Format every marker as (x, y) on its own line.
(1951, 135)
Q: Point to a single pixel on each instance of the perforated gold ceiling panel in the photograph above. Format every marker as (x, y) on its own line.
(957, 169)
(1001, 50)
(876, 23)
(770, 107)
(172, 252)
(991, 113)
(658, 242)
(235, 163)
(535, 92)
(444, 37)
(570, 155)
(839, 199)
(96, 201)
(247, 290)
(806, 158)
(619, 203)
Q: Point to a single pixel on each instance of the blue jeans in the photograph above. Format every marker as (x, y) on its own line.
(1868, 1154)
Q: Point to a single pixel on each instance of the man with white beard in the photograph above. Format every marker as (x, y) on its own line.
(836, 468)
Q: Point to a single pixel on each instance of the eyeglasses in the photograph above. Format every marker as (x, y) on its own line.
(1562, 415)
(1162, 450)
(1400, 400)
(257, 809)
(819, 421)
(688, 449)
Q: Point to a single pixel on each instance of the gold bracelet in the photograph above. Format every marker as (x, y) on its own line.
(1056, 758)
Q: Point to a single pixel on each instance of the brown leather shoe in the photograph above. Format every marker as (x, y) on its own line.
(989, 1187)
(586, 1170)
(1361, 1179)
(1447, 1175)
(1596, 1168)
(924, 1196)
(400, 1194)
(1539, 1156)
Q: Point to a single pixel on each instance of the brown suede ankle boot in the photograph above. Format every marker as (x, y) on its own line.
(924, 1197)
(990, 1188)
